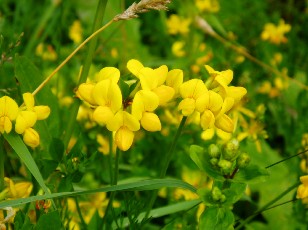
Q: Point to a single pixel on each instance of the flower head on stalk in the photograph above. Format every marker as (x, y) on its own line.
(302, 190)
(8, 113)
(26, 119)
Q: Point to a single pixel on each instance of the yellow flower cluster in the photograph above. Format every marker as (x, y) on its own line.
(177, 25)
(275, 34)
(302, 190)
(25, 118)
(157, 87)
(211, 6)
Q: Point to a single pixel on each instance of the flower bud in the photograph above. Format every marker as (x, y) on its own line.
(225, 165)
(214, 161)
(243, 160)
(214, 151)
(216, 194)
(231, 149)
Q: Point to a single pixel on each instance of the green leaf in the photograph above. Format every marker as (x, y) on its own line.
(206, 196)
(234, 193)
(22, 221)
(65, 184)
(22, 151)
(56, 149)
(251, 174)
(47, 167)
(163, 211)
(216, 219)
(124, 88)
(49, 221)
(135, 186)
(202, 160)
(30, 78)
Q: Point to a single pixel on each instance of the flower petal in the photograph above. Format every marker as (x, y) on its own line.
(150, 122)
(29, 100)
(164, 93)
(187, 106)
(109, 73)
(8, 107)
(134, 66)
(31, 138)
(124, 138)
(42, 112)
(225, 123)
(207, 120)
(161, 74)
(148, 78)
(84, 92)
(5, 125)
(193, 88)
(175, 79)
(102, 114)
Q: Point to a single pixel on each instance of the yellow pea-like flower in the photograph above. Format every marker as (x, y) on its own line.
(109, 73)
(25, 120)
(84, 92)
(302, 190)
(8, 113)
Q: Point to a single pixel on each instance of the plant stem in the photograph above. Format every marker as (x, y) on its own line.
(166, 161)
(85, 70)
(110, 157)
(40, 27)
(265, 207)
(83, 223)
(286, 159)
(114, 182)
(1, 163)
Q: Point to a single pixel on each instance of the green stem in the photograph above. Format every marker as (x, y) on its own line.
(110, 157)
(43, 21)
(83, 223)
(266, 206)
(114, 182)
(286, 159)
(166, 161)
(1, 163)
(85, 70)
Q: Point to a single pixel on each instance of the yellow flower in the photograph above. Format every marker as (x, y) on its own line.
(18, 190)
(46, 52)
(177, 49)
(175, 80)
(144, 103)
(124, 124)
(75, 32)
(275, 34)
(190, 91)
(177, 25)
(8, 113)
(107, 95)
(153, 80)
(302, 190)
(27, 118)
(207, 5)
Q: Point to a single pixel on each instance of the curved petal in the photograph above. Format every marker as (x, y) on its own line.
(161, 74)
(8, 107)
(134, 66)
(84, 92)
(164, 93)
(203, 102)
(207, 120)
(102, 114)
(111, 73)
(150, 122)
(215, 102)
(100, 92)
(114, 97)
(208, 134)
(137, 106)
(148, 78)
(225, 123)
(5, 125)
(225, 77)
(124, 138)
(193, 88)
(130, 121)
(25, 120)
(187, 106)
(115, 122)
(29, 100)
(236, 92)
(175, 79)
(31, 138)
(42, 112)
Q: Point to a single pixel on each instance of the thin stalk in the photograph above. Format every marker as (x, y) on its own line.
(114, 182)
(166, 161)
(83, 223)
(266, 206)
(43, 21)
(1, 163)
(85, 70)
(110, 157)
(286, 159)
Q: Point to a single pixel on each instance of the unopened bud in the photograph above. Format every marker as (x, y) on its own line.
(231, 149)
(214, 151)
(225, 165)
(214, 161)
(243, 160)
(216, 193)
